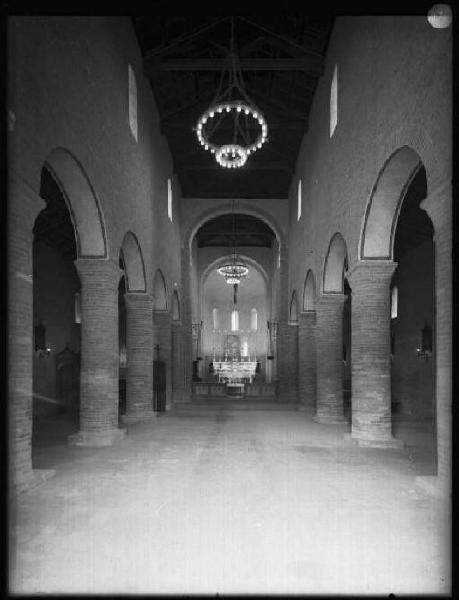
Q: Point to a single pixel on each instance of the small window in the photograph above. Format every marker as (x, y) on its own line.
(394, 303)
(299, 200)
(78, 307)
(334, 101)
(132, 101)
(215, 317)
(169, 199)
(253, 319)
(175, 306)
(235, 320)
(245, 348)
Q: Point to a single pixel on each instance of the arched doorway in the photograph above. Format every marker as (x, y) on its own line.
(329, 334)
(56, 321)
(413, 356)
(396, 273)
(307, 345)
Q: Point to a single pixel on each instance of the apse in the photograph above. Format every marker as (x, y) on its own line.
(234, 319)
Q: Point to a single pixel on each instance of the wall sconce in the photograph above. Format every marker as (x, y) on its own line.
(426, 343)
(41, 349)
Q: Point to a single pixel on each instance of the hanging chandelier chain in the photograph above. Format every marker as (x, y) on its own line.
(234, 154)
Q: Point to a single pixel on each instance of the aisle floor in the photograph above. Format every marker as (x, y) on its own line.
(229, 498)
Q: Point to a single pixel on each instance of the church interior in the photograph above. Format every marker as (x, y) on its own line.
(229, 336)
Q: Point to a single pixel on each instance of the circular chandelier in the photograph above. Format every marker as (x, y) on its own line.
(234, 270)
(231, 128)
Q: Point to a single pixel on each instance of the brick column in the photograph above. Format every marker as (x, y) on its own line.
(162, 335)
(371, 376)
(99, 354)
(185, 316)
(438, 206)
(139, 352)
(307, 359)
(329, 358)
(286, 345)
(24, 205)
(178, 364)
(287, 354)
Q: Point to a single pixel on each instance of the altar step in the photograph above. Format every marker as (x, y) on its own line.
(236, 404)
(266, 391)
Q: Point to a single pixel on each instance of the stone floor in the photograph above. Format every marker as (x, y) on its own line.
(230, 497)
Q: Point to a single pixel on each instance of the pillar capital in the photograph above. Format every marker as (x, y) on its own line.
(24, 201)
(307, 318)
(329, 300)
(372, 272)
(97, 270)
(138, 300)
(438, 205)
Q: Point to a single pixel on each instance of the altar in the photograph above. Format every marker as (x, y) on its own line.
(235, 372)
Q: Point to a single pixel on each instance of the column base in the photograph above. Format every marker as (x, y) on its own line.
(330, 419)
(138, 416)
(305, 408)
(387, 442)
(433, 486)
(34, 479)
(105, 437)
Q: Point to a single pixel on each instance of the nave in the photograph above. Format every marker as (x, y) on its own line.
(230, 496)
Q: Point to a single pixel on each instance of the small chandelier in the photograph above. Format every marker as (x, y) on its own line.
(249, 127)
(234, 270)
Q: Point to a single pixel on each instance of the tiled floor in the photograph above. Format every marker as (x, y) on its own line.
(230, 497)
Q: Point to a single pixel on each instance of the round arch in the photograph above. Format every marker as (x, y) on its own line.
(159, 291)
(309, 292)
(82, 202)
(383, 208)
(222, 259)
(134, 266)
(227, 208)
(335, 266)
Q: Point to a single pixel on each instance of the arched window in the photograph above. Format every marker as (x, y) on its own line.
(215, 318)
(253, 319)
(78, 307)
(132, 85)
(169, 199)
(334, 101)
(235, 320)
(394, 303)
(300, 185)
(293, 308)
(175, 306)
(159, 292)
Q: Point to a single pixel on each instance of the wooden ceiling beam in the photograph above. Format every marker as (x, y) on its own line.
(172, 46)
(311, 65)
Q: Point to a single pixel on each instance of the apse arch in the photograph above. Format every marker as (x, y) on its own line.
(223, 259)
(134, 267)
(335, 265)
(159, 291)
(309, 292)
(383, 207)
(293, 309)
(228, 208)
(82, 203)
